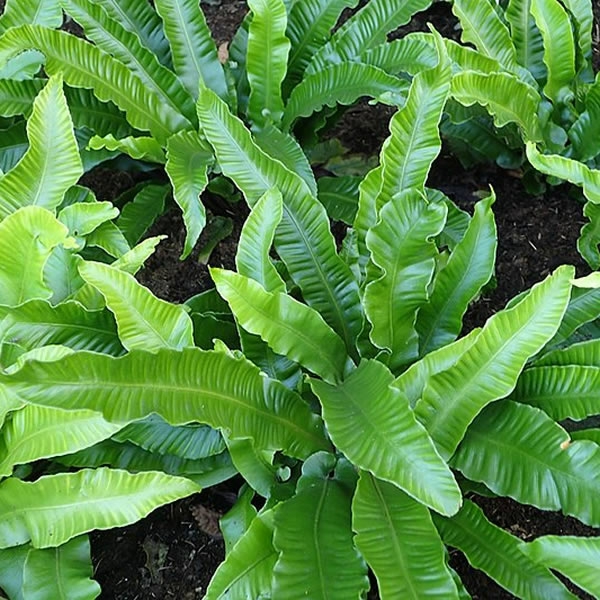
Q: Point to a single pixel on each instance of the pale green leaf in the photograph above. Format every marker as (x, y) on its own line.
(185, 386)
(39, 12)
(252, 258)
(53, 156)
(53, 509)
(28, 236)
(194, 52)
(140, 148)
(144, 321)
(401, 245)
(62, 573)
(12, 561)
(36, 432)
(397, 538)
(489, 369)
(288, 326)
(82, 218)
(383, 436)
(188, 161)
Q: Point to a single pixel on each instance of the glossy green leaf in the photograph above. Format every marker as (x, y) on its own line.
(366, 29)
(28, 236)
(53, 156)
(193, 50)
(304, 240)
(489, 369)
(559, 47)
(575, 557)
(468, 269)
(401, 245)
(144, 321)
(37, 323)
(584, 353)
(37, 432)
(53, 509)
(588, 243)
(12, 561)
(141, 19)
(483, 27)
(526, 37)
(266, 61)
(16, 97)
(507, 98)
(518, 451)
(342, 84)
(252, 258)
(313, 534)
(499, 554)
(247, 569)
(39, 12)
(182, 387)
(62, 573)
(236, 521)
(563, 392)
(288, 326)
(45, 354)
(85, 65)
(139, 148)
(413, 381)
(24, 66)
(392, 445)
(188, 161)
(309, 26)
(582, 18)
(565, 168)
(585, 132)
(397, 538)
(110, 36)
(13, 145)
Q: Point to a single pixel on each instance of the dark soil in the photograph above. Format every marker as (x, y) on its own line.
(173, 552)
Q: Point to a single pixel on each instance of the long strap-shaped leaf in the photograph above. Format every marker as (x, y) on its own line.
(16, 97)
(193, 49)
(393, 445)
(576, 557)
(518, 451)
(114, 39)
(141, 19)
(309, 26)
(407, 154)
(559, 48)
(313, 534)
(56, 508)
(53, 156)
(37, 432)
(402, 246)
(247, 570)
(468, 269)
(30, 12)
(62, 573)
(144, 321)
(28, 236)
(489, 369)
(85, 65)
(585, 132)
(37, 323)
(266, 61)
(304, 240)
(482, 26)
(499, 554)
(582, 15)
(526, 37)
(182, 387)
(188, 160)
(288, 326)
(366, 29)
(397, 537)
(563, 392)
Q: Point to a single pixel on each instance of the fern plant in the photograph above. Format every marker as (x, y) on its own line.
(135, 80)
(344, 396)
